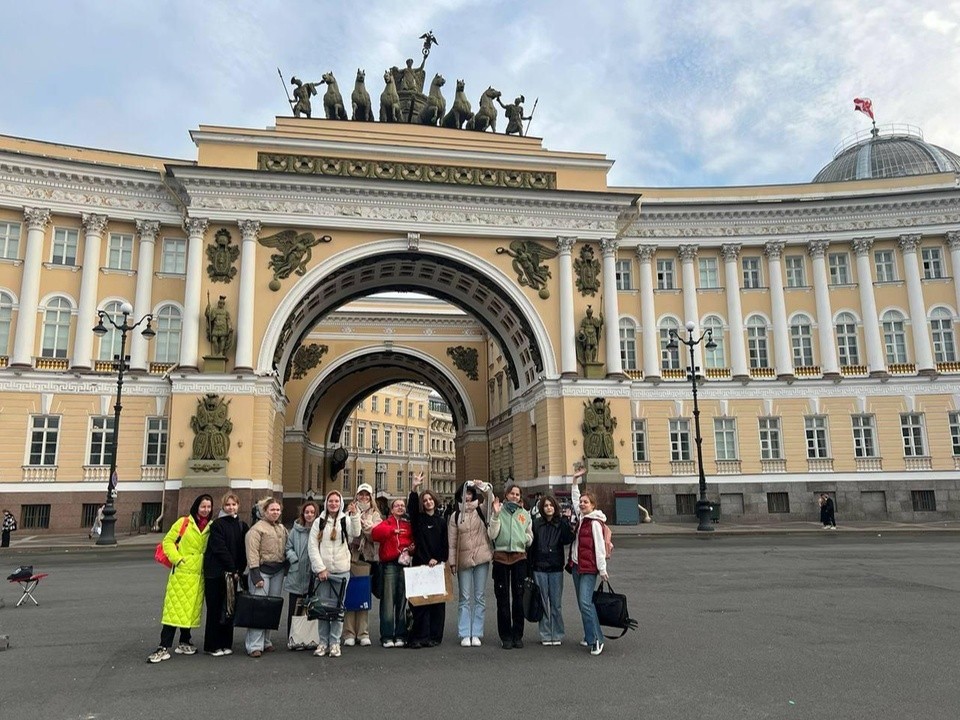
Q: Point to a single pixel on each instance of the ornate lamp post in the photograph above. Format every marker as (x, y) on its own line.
(378, 485)
(703, 505)
(108, 534)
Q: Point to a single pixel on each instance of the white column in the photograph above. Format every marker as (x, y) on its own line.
(25, 341)
(876, 358)
(829, 367)
(688, 285)
(142, 303)
(568, 345)
(730, 253)
(953, 242)
(782, 356)
(650, 333)
(190, 337)
(250, 230)
(611, 310)
(918, 313)
(93, 227)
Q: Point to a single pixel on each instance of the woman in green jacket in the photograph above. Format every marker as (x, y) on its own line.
(184, 545)
(512, 533)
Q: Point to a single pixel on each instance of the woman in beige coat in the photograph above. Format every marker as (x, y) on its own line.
(266, 544)
(470, 556)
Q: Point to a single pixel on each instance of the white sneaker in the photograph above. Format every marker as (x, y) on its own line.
(216, 653)
(388, 644)
(350, 642)
(474, 642)
(334, 651)
(398, 643)
(227, 651)
(583, 643)
(556, 642)
(159, 655)
(364, 642)
(465, 642)
(186, 649)
(546, 643)
(597, 648)
(321, 651)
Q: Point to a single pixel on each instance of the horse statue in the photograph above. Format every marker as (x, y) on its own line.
(435, 107)
(460, 112)
(486, 116)
(332, 99)
(360, 98)
(389, 100)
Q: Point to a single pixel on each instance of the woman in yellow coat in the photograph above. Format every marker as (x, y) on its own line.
(184, 545)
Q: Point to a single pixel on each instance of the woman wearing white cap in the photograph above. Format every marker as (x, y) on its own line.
(356, 623)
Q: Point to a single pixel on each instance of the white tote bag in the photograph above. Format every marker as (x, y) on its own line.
(304, 633)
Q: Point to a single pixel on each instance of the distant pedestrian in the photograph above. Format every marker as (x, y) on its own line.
(97, 527)
(827, 512)
(9, 526)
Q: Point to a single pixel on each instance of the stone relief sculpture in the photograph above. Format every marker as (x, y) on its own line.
(211, 428)
(588, 338)
(332, 99)
(528, 259)
(219, 327)
(360, 99)
(295, 253)
(587, 268)
(222, 254)
(598, 426)
(306, 358)
(465, 359)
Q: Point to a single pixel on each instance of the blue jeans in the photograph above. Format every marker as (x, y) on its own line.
(472, 604)
(393, 604)
(585, 585)
(551, 590)
(272, 585)
(328, 591)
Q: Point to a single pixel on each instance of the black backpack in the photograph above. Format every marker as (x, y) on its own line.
(24, 572)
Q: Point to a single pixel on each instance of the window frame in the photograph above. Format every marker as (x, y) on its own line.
(666, 274)
(99, 432)
(817, 435)
(172, 250)
(888, 263)
(624, 274)
(679, 434)
(847, 339)
(64, 240)
(913, 434)
(628, 343)
(638, 440)
(795, 269)
(709, 274)
(726, 445)
(10, 244)
(124, 253)
(931, 262)
(751, 272)
(864, 428)
(771, 437)
(156, 441)
(801, 341)
(50, 426)
(838, 268)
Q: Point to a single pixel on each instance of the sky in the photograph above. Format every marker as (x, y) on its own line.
(677, 92)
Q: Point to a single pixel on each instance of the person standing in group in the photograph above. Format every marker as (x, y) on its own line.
(356, 623)
(511, 530)
(470, 557)
(223, 564)
(9, 526)
(430, 541)
(184, 545)
(329, 545)
(588, 556)
(395, 535)
(551, 533)
(297, 581)
(266, 544)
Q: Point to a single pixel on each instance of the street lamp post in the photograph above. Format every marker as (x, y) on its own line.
(703, 505)
(108, 535)
(378, 486)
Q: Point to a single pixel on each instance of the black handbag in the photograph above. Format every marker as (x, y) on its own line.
(317, 610)
(261, 612)
(612, 610)
(376, 579)
(532, 601)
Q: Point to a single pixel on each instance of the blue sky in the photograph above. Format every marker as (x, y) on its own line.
(679, 93)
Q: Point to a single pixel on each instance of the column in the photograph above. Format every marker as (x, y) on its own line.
(829, 367)
(147, 233)
(650, 333)
(568, 345)
(190, 338)
(782, 355)
(730, 253)
(688, 285)
(611, 310)
(25, 340)
(876, 358)
(93, 227)
(918, 314)
(953, 242)
(250, 230)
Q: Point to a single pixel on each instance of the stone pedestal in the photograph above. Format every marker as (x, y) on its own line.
(603, 470)
(214, 364)
(593, 371)
(206, 474)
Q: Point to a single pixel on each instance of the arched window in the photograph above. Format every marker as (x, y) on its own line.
(6, 317)
(801, 340)
(894, 336)
(110, 343)
(669, 359)
(848, 349)
(757, 342)
(941, 326)
(715, 358)
(168, 323)
(628, 344)
(56, 328)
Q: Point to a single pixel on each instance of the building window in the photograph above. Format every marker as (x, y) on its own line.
(725, 437)
(624, 275)
(374, 438)
(387, 438)
(924, 500)
(796, 276)
(757, 342)
(941, 327)
(56, 328)
(639, 437)
(709, 276)
(885, 265)
(864, 436)
(954, 419)
(64, 246)
(420, 411)
(420, 443)
(801, 340)
(771, 448)
(173, 256)
(6, 318)
(665, 275)
(346, 480)
(35, 516)
(362, 405)
(88, 514)
(346, 436)
(815, 428)
(387, 405)
(751, 272)
(120, 251)
(9, 240)
(839, 264)
(101, 430)
(680, 440)
(110, 342)
(44, 433)
(715, 357)
(669, 358)
(848, 350)
(778, 503)
(932, 260)
(399, 441)
(399, 408)
(409, 409)
(409, 442)
(156, 442)
(374, 403)
(361, 437)
(686, 504)
(628, 344)
(911, 428)
(399, 480)
(168, 324)
(894, 337)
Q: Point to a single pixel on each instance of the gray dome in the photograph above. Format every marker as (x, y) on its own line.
(895, 151)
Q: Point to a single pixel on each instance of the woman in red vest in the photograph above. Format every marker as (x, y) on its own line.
(395, 536)
(588, 555)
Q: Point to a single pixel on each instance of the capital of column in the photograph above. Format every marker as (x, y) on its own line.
(688, 253)
(93, 223)
(646, 253)
(37, 218)
(249, 229)
(909, 243)
(817, 248)
(608, 246)
(730, 251)
(953, 239)
(774, 249)
(195, 227)
(565, 244)
(862, 246)
(147, 230)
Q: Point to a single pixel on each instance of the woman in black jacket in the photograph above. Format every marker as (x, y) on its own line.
(550, 533)
(430, 548)
(223, 562)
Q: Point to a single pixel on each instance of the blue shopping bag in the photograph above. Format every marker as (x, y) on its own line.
(358, 593)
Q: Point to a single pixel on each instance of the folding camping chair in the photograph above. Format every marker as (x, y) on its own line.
(28, 585)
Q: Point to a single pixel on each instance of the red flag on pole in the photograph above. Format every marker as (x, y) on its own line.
(864, 105)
